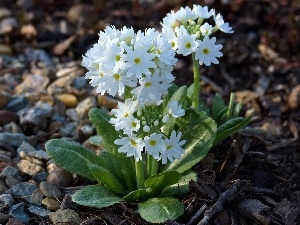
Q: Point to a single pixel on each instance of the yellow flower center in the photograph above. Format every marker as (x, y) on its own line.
(133, 124)
(117, 76)
(152, 142)
(188, 45)
(133, 143)
(137, 60)
(169, 147)
(101, 75)
(205, 51)
(118, 57)
(148, 84)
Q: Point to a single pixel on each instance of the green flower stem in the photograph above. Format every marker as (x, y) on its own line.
(152, 166)
(196, 71)
(149, 165)
(230, 106)
(139, 172)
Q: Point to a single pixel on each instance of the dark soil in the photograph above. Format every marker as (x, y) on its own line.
(252, 177)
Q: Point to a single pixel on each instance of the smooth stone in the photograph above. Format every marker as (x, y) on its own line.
(22, 190)
(79, 83)
(7, 116)
(3, 186)
(50, 190)
(67, 216)
(17, 211)
(39, 55)
(10, 171)
(11, 181)
(85, 105)
(51, 204)
(13, 139)
(41, 176)
(69, 100)
(32, 83)
(5, 156)
(36, 197)
(17, 103)
(25, 148)
(3, 218)
(60, 177)
(6, 201)
(72, 114)
(67, 203)
(68, 130)
(38, 210)
(28, 167)
(86, 131)
(40, 154)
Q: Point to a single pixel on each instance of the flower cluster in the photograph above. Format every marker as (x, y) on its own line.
(124, 60)
(139, 63)
(188, 33)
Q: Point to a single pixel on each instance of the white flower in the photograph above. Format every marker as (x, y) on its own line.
(112, 58)
(154, 145)
(170, 20)
(133, 125)
(170, 35)
(207, 51)
(132, 146)
(123, 114)
(221, 24)
(185, 14)
(186, 44)
(206, 29)
(151, 88)
(202, 12)
(127, 35)
(139, 61)
(173, 148)
(165, 118)
(164, 52)
(175, 110)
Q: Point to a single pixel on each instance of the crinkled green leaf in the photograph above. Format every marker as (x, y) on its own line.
(230, 127)
(72, 156)
(182, 186)
(137, 195)
(199, 132)
(105, 129)
(107, 178)
(95, 196)
(158, 182)
(160, 210)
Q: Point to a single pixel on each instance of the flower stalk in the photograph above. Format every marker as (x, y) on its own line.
(139, 172)
(197, 81)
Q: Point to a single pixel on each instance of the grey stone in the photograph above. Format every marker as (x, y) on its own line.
(85, 105)
(17, 103)
(10, 171)
(67, 203)
(79, 83)
(40, 154)
(25, 148)
(38, 210)
(36, 197)
(41, 176)
(50, 191)
(5, 156)
(3, 218)
(51, 204)
(28, 167)
(14, 139)
(22, 190)
(60, 177)
(17, 211)
(3, 186)
(68, 130)
(68, 216)
(11, 181)
(6, 201)
(72, 114)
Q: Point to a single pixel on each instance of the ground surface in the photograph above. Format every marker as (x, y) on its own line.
(251, 178)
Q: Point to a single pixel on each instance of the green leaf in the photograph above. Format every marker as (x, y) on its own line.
(105, 129)
(72, 156)
(182, 186)
(199, 132)
(136, 195)
(171, 91)
(95, 196)
(230, 127)
(218, 105)
(160, 210)
(107, 178)
(158, 182)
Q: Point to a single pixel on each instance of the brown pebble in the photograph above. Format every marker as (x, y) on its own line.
(84, 13)
(69, 100)
(51, 204)
(12, 221)
(294, 98)
(3, 99)
(60, 177)
(7, 116)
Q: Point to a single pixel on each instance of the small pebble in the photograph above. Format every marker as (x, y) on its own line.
(60, 177)
(36, 197)
(69, 100)
(38, 210)
(11, 181)
(10, 171)
(28, 167)
(13, 221)
(67, 216)
(25, 148)
(7, 116)
(50, 190)
(68, 130)
(13, 139)
(82, 13)
(51, 204)
(17, 103)
(22, 190)
(40, 154)
(67, 203)
(17, 211)
(6, 201)
(3, 186)
(85, 105)
(5, 156)
(3, 218)
(41, 176)
(32, 83)
(294, 98)
(72, 114)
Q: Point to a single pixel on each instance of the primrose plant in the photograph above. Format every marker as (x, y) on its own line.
(159, 132)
